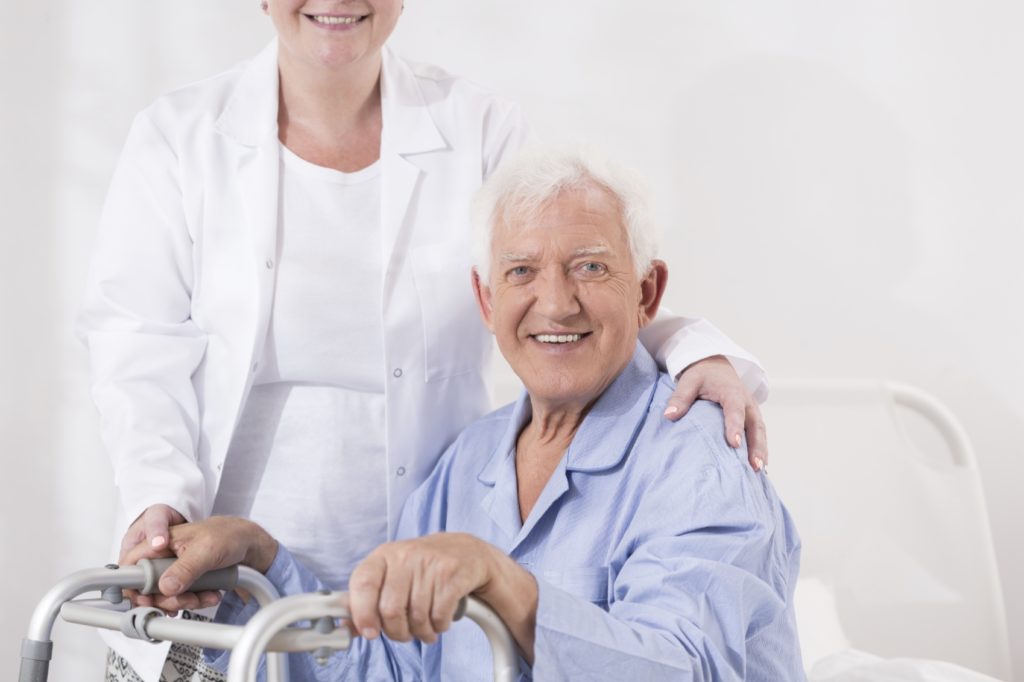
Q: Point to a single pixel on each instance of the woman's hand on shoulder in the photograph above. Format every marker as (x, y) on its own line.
(715, 379)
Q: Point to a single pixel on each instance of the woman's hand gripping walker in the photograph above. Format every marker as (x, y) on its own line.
(267, 631)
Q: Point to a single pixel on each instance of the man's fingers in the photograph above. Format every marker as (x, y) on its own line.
(446, 600)
(757, 438)
(411, 588)
(173, 604)
(208, 599)
(394, 602)
(682, 398)
(189, 565)
(421, 604)
(364, 595)
(138, 599)
(182, 602)
(443, 608)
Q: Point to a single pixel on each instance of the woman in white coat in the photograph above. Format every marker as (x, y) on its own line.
(279, 315)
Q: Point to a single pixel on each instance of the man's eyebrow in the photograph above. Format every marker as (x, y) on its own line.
(511, 257)
(591, 251)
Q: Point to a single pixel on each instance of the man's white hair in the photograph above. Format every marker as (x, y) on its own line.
(523, 185)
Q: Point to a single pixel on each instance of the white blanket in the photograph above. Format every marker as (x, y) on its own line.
(829, 655)
(859, 666)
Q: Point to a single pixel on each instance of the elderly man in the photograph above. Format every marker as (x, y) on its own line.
(612, 543)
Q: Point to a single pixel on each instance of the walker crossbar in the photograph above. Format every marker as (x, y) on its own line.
(270, 629)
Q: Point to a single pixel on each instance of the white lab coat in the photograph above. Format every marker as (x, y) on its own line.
(180, 291)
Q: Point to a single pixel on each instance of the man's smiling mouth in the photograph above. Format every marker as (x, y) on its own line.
(559, 338)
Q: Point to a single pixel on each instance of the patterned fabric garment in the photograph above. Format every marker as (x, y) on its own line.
(184, 664)
(658, 553)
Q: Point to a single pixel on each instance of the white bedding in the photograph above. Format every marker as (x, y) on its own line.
(830, 657)
(858, 666)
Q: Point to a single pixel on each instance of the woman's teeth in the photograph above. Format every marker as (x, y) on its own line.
(320, 19)
(558, 338)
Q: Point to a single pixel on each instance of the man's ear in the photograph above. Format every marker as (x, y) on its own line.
(482, 292)
(652, 288)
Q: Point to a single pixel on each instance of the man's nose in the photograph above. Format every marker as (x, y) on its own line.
(556, 296)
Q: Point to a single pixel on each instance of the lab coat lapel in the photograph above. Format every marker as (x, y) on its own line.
(250, 120)
(259, 177)
(408, 129)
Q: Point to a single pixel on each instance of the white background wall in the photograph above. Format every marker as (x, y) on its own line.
(839, 185)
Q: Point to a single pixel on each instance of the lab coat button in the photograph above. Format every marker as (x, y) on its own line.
(397, 372)
(401, 471)
(255, 365)
(270, 264)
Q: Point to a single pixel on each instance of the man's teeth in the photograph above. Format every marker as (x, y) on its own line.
(558, 338)
(320, 19)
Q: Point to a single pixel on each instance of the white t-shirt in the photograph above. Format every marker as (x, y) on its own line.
(307, 461)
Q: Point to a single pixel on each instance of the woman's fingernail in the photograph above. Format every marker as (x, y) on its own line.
(737, 440)
(758, 464)
(369, 633)
(671, 410)
(171, 585)
(158, 541)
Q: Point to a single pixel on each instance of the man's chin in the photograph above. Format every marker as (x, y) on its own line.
(570, 393)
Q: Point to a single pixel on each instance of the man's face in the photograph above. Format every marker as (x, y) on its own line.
(564, 299)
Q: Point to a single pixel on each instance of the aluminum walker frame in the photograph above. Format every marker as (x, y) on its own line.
(270, 630)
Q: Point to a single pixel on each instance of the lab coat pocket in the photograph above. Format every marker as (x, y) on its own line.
(586, 582)
(454, 338)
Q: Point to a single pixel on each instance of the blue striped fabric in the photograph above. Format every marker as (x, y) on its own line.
(659, 554)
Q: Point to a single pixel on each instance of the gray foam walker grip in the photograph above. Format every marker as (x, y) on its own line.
(221, 579)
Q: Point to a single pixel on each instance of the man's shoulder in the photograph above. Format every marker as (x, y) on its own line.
(689, 466)
(688, 472)
(700, 433)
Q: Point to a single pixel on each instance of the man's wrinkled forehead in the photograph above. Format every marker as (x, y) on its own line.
(514, 220)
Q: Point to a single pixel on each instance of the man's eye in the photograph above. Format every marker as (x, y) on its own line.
(519, 271)
(592, 268)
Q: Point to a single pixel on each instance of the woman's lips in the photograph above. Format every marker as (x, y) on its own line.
(335, 22)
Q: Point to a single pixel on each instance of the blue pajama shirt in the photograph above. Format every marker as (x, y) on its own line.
(658, 552)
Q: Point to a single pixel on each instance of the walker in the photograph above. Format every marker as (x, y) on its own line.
(270, 630)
